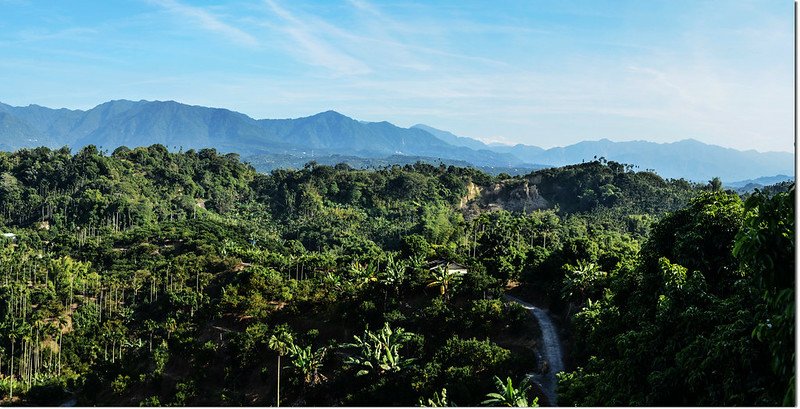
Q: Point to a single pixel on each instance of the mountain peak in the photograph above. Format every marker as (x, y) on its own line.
(329, 115)
(691, 141)
(116, 103)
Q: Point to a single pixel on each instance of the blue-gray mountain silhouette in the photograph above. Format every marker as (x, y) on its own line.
(689, 159)
(175, 125)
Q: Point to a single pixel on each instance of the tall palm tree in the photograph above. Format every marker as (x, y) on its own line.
(508, 395)
(281, 342)
(12, 334)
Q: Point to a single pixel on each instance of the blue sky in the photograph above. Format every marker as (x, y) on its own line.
(546, 73)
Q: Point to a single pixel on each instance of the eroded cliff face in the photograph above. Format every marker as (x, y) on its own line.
(523, 197)
(514, 196)
(473, 191)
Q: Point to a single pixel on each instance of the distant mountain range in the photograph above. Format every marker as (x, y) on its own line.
(758, 183)
(330, 135)
(688, 159)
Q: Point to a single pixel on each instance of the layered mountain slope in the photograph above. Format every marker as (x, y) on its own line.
(453, 139)
(689, 158)
(333, 133)
(16, 133)
(176, 125)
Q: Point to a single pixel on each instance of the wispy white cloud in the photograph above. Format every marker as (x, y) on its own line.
(384, 21)
(314, 49)
(395, 47)
(208, 21)
(373, 42)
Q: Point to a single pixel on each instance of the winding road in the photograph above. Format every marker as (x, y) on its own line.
(551, 350)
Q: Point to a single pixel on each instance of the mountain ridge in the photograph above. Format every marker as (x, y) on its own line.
(173, 124)
(678, 159)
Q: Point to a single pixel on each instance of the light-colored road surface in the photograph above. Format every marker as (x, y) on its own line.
(550, 348)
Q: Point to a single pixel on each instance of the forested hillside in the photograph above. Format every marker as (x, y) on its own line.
(146, 277)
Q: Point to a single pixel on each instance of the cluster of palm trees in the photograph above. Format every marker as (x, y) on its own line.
(396, 273)
(33, 328)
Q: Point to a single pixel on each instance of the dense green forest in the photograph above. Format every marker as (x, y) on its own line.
(152, 278)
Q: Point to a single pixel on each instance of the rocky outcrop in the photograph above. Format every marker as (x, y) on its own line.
(514, 196)
(473, 191)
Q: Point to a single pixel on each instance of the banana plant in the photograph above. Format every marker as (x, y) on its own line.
(363, 274)
(446, 280)
(308, 362)
(393, 276)
(508, 395)
(439, 400)
(379, 352)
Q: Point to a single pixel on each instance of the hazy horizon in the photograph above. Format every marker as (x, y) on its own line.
(545, 74)
(446, 130)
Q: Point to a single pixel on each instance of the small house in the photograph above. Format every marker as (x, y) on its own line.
(450, 266)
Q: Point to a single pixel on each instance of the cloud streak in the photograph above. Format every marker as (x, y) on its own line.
(208, 21)
(315, 50)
